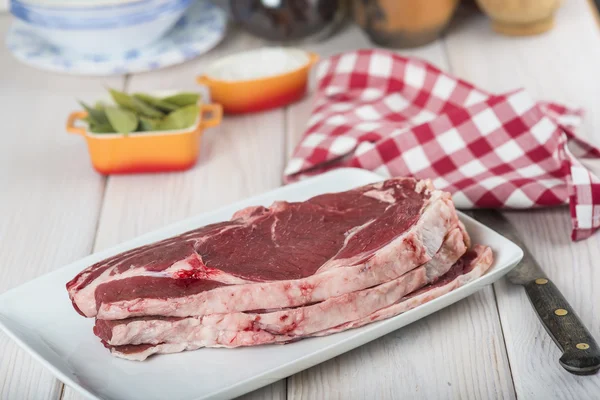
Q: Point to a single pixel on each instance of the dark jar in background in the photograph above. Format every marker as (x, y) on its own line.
(286, 21)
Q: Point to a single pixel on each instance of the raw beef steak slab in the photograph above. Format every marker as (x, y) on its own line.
(288, 255)
(299, 321)
(470, 267)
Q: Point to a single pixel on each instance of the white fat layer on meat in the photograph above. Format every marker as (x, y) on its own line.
(273, 232)
(386, 196)
(300, 321)
(189, 330)
(454, 247)
(295, 322)
(167, 348)
(352, 232)
(461, 226)
(409, 250)
(212, 338)
(482, 263)
(86, 300)
(209, 338)
(202, 239)
(245, 213)
(424, 185)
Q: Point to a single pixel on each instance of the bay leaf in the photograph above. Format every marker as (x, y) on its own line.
(122, 99)
(182, 99)
(124, 121)
(146, 109)
(94, 115)
(148, 124)
(102, 128)
(181, 118)
(156, 102)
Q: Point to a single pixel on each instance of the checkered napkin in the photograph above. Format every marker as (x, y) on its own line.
(400, 116)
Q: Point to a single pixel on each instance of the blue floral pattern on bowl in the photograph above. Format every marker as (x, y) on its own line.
(102, 18)
(199, 30)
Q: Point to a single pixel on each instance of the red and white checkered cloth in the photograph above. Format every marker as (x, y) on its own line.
(401, 116)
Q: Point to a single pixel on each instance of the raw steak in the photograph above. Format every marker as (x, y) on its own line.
(299, 321)
(471, 266)
(288, 255)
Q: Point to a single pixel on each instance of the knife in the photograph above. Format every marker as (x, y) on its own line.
(581, 354)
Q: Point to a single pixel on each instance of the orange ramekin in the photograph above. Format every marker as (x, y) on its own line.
(139, 152)
(245, 96)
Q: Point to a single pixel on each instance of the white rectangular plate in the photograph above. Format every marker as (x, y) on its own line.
(40, 318)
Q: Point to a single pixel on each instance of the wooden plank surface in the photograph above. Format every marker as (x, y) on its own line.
(50, 197)
(561, 65)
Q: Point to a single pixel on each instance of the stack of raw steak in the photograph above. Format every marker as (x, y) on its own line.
(274, 275)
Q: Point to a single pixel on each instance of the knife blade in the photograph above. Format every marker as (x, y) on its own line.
(581, 354)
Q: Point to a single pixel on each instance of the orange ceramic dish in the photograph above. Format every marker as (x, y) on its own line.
(114, 153)
(242, 93)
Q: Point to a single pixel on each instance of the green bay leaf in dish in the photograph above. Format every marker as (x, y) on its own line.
(100, 105)
(149, 124)
(122, 99)
(95, 115)
(124, 121)
(146, 109)
(155, 102)
(182, 99)
(102, 128)
(179, 119)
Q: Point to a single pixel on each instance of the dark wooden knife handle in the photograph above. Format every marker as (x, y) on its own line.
(581, 354)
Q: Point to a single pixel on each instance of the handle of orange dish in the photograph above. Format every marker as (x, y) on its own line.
(211, 115)
(313, 58)
(74, 116)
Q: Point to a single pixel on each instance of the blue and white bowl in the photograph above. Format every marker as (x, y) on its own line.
(107, 29)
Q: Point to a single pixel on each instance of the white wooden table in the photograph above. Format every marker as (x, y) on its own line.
(55, 209)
